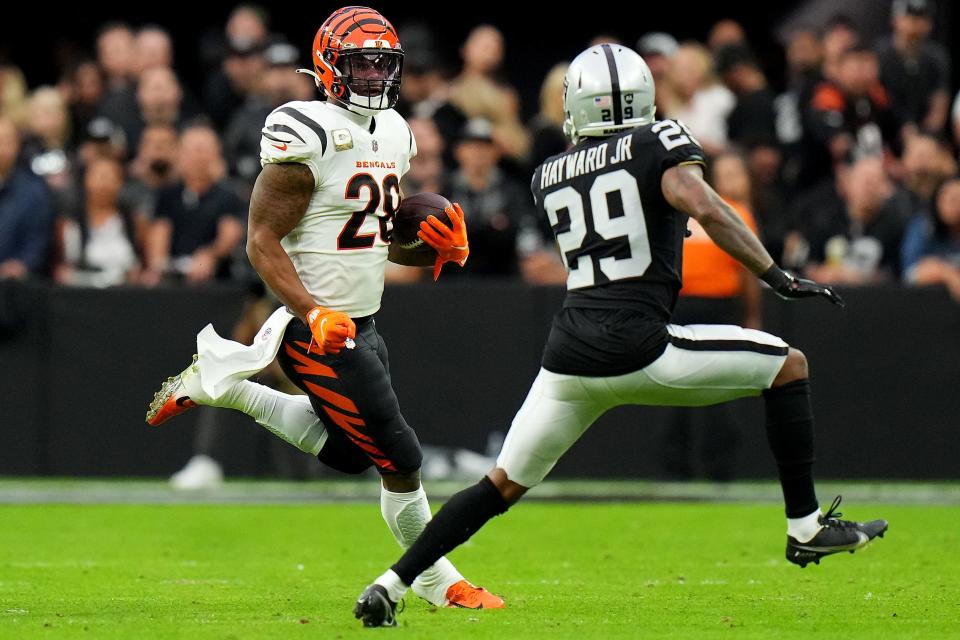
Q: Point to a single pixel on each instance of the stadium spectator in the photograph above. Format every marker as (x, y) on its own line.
(863, 245)
(481, 92)
(241, 70)
(804, 51)
(153, 48)
(927, 162)
(278, 84)
(914, 69)
(752, 119)
(931, 247)
(725, 33)
(483, 52)
(499, 211)
(425, 93)
(693, 95)
(47, 124)
(839, 36)
(546, 128)
(44, 147)
(657, 48)
(98, 245)
(151, 170)
(426, 168)
(83, 86)
(160, 101)
(26, 211)
(848, 118)
(117, 56)
(716, 290)
(198, 221)
(246, 22)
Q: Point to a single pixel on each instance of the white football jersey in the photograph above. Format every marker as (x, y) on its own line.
(339, 248)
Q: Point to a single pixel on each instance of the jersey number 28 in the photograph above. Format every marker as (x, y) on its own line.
(579, 241)
(351, 238)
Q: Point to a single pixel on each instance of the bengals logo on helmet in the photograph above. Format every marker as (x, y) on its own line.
(358, 59)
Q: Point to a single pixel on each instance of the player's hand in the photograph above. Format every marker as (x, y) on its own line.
(450, 243)
(330, 329)
(790, 287)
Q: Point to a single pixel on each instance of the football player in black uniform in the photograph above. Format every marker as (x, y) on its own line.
(618, 201)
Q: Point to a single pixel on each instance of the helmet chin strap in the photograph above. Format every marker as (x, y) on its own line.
(346, 104)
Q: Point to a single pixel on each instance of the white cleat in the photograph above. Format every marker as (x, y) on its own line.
(172, 399)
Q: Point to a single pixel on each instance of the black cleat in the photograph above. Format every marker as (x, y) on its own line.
(836, 535)
(375, 608)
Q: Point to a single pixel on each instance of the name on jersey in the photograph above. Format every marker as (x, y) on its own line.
(375, 164)
(585, 161)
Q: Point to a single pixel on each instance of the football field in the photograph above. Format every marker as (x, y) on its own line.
(130, 560)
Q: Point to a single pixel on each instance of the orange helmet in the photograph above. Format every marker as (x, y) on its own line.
(358, 60)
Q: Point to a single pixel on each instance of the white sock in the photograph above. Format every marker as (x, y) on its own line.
(803, 529)
(407, 514)
(393, 584)
(287, 416)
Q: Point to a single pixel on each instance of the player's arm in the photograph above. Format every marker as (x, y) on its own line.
(280, 197)
(685, 189)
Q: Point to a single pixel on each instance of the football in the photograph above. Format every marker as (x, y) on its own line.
(414, 210)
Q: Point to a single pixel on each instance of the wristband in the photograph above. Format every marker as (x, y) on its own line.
(776, 277)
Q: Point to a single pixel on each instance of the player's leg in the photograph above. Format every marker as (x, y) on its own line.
(406, 511)
(557, 411)
(706, 364)
(353, 395)
(287, 416)
(810, 534)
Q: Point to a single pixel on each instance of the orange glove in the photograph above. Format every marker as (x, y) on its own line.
(450, 244)
(331, 329)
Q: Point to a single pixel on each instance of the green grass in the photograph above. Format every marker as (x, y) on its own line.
(610, 570)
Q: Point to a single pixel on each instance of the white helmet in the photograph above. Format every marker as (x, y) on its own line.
(608, 88)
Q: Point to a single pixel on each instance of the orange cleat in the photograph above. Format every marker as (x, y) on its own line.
(171, 400)
(467, 596)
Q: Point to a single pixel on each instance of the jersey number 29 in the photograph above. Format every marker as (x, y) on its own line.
(579, 241)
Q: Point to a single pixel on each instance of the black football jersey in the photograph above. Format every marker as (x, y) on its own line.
(621, 240)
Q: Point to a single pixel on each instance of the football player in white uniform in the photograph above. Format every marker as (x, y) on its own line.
(319, 236)
(618, 201)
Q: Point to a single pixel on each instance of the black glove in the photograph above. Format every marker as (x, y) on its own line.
(788, 286)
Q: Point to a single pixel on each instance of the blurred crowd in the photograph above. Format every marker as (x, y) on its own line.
(121, 174)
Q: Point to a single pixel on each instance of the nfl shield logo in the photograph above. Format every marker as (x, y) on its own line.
(375, 146)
